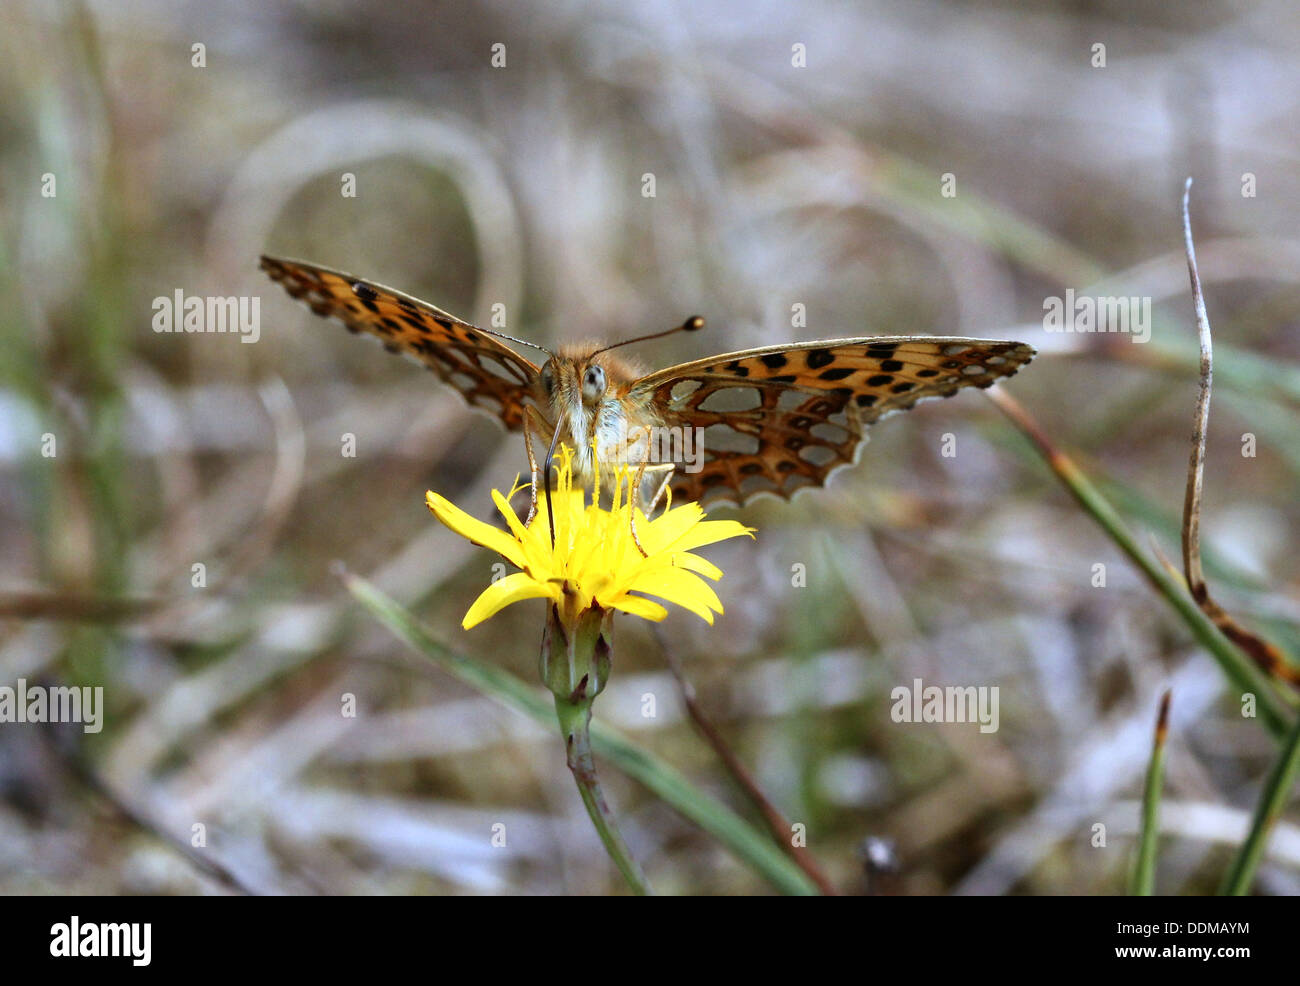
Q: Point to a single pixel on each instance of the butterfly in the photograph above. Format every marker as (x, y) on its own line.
(771, 420)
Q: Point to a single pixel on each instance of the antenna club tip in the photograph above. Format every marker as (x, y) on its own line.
(694, 323)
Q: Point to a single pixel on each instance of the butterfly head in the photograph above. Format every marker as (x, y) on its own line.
(582, 377)
(577, 380)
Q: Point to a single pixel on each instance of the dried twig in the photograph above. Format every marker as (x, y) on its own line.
(1196, 465)
(776, 823)
(1266, 655)
(85, 773)
(77, 608)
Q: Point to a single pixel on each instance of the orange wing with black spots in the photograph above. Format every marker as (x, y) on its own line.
(782, 418)
(488, 373)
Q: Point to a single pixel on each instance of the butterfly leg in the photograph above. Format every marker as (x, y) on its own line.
(666, 469)
(662, 468)
(634, 501)
(532, 463)
(634, 496)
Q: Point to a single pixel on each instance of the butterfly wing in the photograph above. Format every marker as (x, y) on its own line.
(489, 374)
(781, 418)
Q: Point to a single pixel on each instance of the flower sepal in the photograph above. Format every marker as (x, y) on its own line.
(576, 647)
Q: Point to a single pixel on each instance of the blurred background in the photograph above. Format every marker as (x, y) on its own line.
(802, 155)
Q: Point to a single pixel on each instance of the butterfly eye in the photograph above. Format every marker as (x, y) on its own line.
(548, 380)
(593, 381)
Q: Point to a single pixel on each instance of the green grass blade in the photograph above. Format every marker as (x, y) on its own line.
(745, 841)
(1275, 709)
(1272, 800)
(1144, 873)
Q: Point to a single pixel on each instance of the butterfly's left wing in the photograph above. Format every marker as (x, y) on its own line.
(488, 373)
(782, 418)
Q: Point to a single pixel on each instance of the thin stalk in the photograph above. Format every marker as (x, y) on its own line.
(1272, 800)
(575, 727)
(776, 823)
(575, 660)
(1144, 872)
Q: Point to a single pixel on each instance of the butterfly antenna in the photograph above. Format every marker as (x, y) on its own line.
(692, 324)
(522, 342)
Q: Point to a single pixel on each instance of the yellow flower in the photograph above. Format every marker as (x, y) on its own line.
(594, 559)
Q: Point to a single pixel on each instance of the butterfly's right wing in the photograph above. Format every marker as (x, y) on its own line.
(488, 373)
(777, 419)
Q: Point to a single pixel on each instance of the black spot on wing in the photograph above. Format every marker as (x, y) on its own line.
(836, 373)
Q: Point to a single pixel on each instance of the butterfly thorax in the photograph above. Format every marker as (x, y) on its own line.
(587, 395)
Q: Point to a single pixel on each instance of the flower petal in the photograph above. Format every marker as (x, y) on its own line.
(647, 609)
(592, 557)
(503, 592)
(695, 563)
(508, 512)
(709, 532)
(684, 528)
(685, 589)
(670, 525)
(473, 529)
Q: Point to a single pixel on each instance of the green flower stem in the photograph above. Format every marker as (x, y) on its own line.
(1144, 872)
(575, 662)
(575, 727)
(749, 845)
(1277, 788)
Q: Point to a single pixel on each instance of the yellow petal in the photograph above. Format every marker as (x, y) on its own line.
(473, 529)
(508, 512)
(647, 609)
(503, 592)
(685, 589)
(694, 563)
(593, 553)
(670, 525)
(709, 532)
